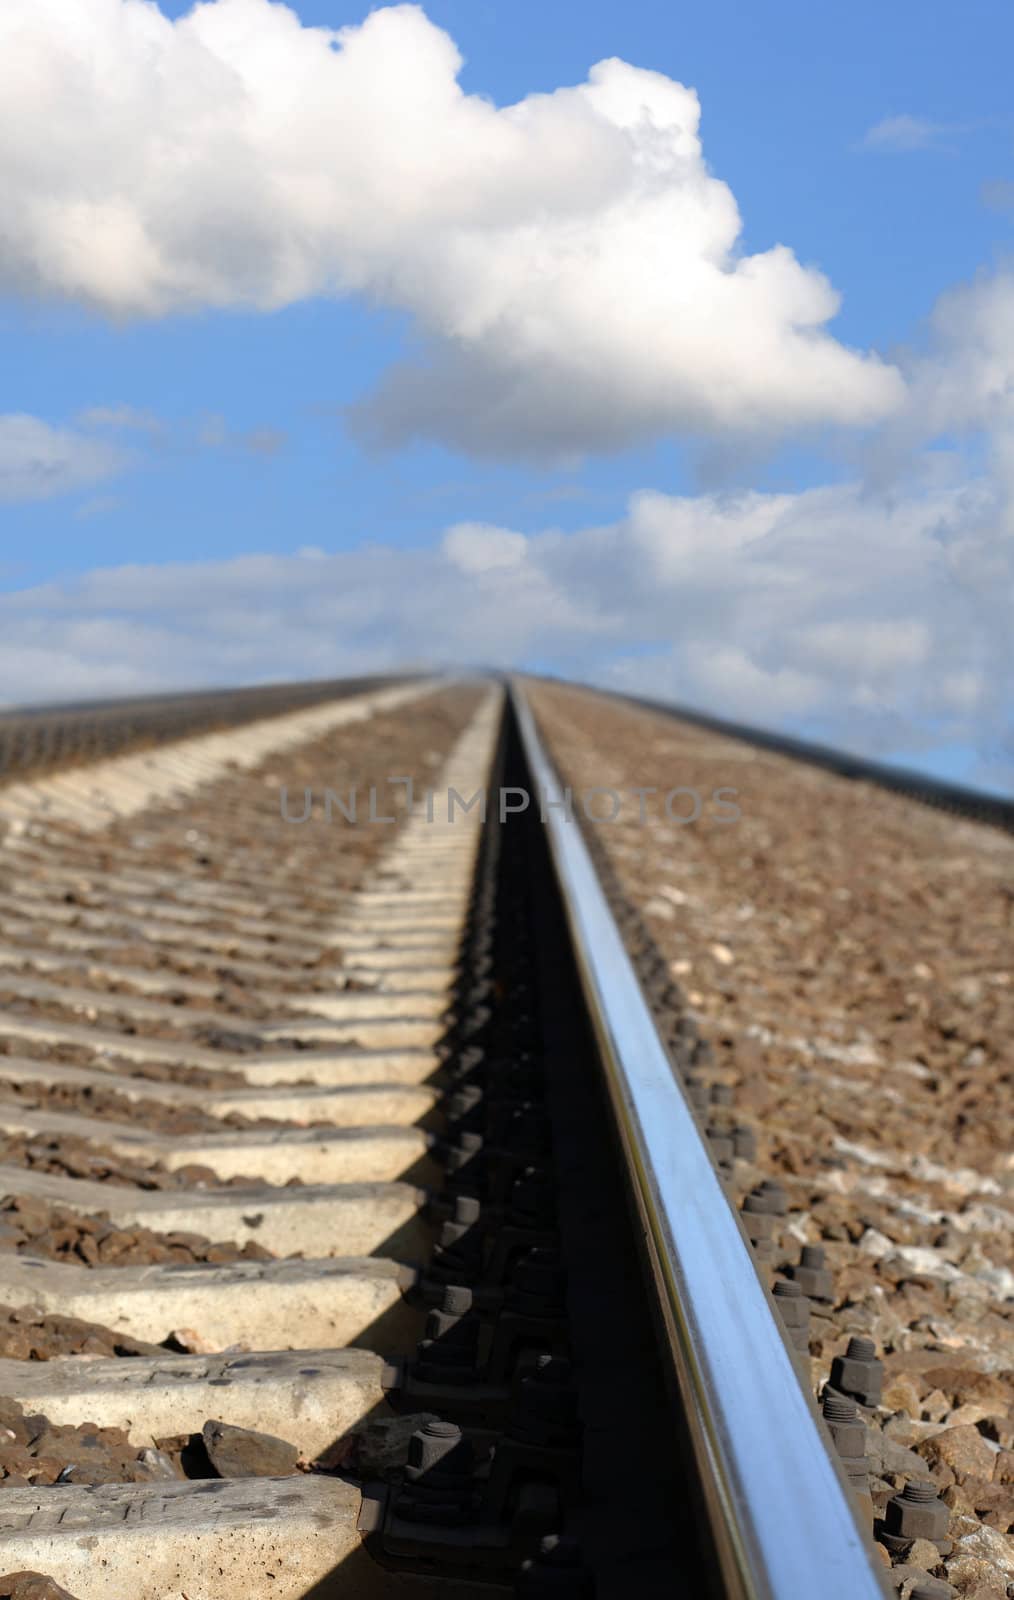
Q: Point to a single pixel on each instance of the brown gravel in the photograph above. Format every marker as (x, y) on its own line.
(26, 1334)
(65, 1155)
(33, 1227)
(92, 1100)
(845, 953)
(76, 1055)
(35, 1451)
(31, 1586)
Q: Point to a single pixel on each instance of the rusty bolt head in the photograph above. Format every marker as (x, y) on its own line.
(759, 1224)
(916, 1513)
(812, 1275)
(845, 1425)
(858, 1372)
(767, 1199)
(794, 1310)
(792, 1302)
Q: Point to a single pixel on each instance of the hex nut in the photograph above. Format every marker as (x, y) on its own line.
(858, 1372)
(812, 1275)
(846, 1427)
(768, 1197)
(916, 1513)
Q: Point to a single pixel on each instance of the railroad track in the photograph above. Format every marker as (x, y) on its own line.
(445, 1292)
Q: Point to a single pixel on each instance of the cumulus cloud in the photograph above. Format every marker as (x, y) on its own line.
(573, 267)
(964, 377)
(479, 547)
(39, 461)
(873, 620)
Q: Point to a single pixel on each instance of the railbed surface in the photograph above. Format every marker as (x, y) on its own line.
(362, 1233)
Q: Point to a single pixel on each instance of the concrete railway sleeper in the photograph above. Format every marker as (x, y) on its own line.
(501, 1331)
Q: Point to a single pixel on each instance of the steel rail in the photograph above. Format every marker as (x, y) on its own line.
(37, 739)
(781, 1512)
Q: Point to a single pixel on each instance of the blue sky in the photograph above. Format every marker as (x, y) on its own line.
(184, 437)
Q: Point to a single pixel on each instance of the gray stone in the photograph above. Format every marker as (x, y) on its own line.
(157, 1462)
(886, 1455)
(242, 1453)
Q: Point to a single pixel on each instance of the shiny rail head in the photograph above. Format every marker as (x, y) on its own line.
(781, 1519)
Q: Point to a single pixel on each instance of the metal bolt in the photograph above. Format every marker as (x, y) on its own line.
(457, 1300)
(794, 1309)
(449, 1351)
(758, 1225)
(439, 1445)
(858, 1372)
(812, 1275)
(468, 1098)
(916, 1513)
(845, 1426)
(451, 1320)
(768, 1198)
(464, 1149)
(458, 1252)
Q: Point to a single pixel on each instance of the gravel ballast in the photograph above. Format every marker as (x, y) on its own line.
(844, 955)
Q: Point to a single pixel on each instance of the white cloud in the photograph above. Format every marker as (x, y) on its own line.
(865, 616)
(965, 378)
(478, 547)
(40, 462)
(572, 265)
(904, 133)
(875, 646)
